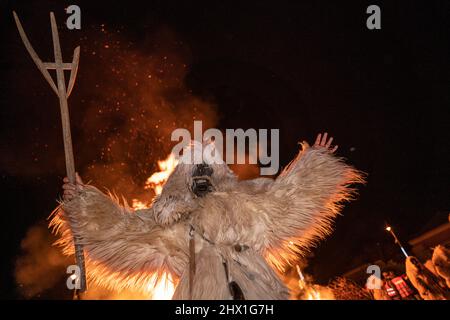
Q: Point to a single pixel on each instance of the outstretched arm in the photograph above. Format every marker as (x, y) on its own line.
(304, 200)
(123, 248)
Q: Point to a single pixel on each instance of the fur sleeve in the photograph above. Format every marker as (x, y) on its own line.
(304, 200)
(123, 249)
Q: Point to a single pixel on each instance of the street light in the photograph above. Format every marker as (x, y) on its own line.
(389, 229)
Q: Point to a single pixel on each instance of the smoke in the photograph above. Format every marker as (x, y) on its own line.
(40, 266)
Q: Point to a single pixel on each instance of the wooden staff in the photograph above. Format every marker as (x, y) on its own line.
(63, 94)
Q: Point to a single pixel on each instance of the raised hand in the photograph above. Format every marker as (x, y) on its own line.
(324, 142)
(71, 189)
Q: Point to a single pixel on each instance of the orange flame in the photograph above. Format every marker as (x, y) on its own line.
(162, 287)
(313, 291)
(138, 205)
(157, 179)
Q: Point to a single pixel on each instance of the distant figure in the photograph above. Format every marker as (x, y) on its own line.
(425, 281)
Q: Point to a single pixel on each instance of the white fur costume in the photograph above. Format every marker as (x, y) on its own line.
(252, 226)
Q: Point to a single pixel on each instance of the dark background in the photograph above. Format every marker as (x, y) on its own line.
(303, 67)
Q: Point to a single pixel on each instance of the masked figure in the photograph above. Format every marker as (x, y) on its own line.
(220, 238)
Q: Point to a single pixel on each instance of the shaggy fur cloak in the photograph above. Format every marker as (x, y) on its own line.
(253, 227)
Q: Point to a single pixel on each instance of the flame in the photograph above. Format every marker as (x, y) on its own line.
(313, 291)
(138, 205)
(164, 288)
(156, 180)
(313, 295)
(316, 292)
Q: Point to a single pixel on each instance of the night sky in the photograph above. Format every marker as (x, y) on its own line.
(303, 67)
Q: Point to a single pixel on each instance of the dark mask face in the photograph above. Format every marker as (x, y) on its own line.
(201, 183)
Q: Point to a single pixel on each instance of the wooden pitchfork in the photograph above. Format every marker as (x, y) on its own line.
(63, 94)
